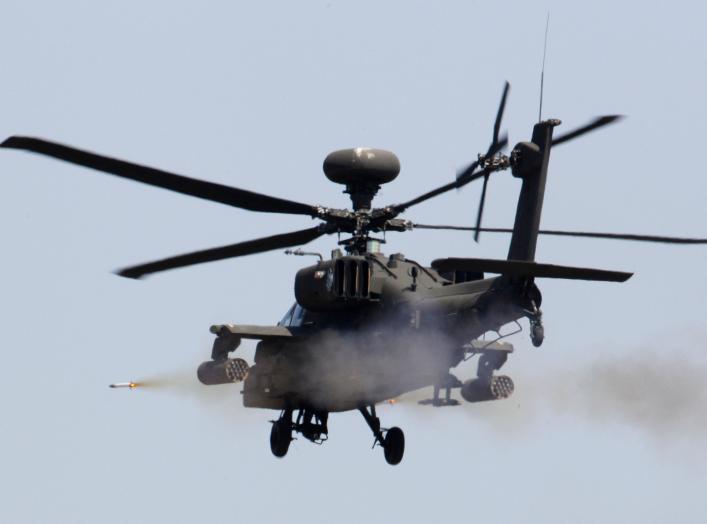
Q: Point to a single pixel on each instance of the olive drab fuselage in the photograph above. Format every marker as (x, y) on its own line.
(370, 328)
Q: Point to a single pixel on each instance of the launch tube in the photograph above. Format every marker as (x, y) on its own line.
(478, 390)
(224, 371)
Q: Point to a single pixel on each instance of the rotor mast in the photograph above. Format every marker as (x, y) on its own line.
(362, 170)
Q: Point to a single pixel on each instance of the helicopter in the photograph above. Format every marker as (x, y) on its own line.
(366, 327)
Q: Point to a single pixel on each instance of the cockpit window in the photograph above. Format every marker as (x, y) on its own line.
(287, 319)
(293, 317)
(297, 316)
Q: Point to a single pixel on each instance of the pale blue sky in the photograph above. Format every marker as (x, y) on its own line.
(255, 94)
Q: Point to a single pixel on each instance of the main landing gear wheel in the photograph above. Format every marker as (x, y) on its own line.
(280, 438)
(393, 443)
(394, 446)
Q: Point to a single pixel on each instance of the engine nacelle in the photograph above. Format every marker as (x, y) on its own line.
(495, 388)
(334, 284)
(226, 371)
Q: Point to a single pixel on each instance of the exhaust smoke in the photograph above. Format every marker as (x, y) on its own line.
(660, 390)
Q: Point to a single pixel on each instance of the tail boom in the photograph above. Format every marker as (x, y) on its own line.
(530, 162)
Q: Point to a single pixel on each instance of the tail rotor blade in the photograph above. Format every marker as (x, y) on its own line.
(467, 174)
(498, 145)
(499, 116)
(477, 233)
(497, 142)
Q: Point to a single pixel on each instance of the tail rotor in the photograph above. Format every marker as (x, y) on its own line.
(498, 143)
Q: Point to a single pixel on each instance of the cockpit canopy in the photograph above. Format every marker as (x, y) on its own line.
(294, 316)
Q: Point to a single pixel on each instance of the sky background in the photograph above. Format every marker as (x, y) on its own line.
(608, 420)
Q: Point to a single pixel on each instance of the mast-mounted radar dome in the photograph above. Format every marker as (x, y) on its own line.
(362, 170)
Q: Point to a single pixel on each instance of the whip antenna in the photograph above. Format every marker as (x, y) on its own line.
(542, 71)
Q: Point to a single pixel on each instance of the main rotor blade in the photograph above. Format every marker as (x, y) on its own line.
(598, 122)
(459, 182)
(156, 177)
(249, 247)
(468, 170)
(585, 234)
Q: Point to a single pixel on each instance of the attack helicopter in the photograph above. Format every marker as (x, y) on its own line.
(367, 327)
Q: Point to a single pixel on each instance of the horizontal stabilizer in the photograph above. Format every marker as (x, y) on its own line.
(522, 268)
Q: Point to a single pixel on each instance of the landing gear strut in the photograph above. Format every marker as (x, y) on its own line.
(392, 441)
(537, 331)
(311, 424)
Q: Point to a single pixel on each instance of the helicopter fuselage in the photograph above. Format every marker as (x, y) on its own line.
(370, 328)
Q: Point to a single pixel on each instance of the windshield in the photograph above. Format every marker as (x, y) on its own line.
(287, 318)
(293, 317)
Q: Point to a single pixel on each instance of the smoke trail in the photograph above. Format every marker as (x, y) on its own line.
(663, 392)
(660, 391)
(174, 380)
(224, 401)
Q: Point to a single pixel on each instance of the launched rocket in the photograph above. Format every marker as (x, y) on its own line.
(130, 385)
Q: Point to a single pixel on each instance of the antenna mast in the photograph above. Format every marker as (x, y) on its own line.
(542, 71)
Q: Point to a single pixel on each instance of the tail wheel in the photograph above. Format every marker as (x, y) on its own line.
(394, 446)
(537, 335)
(280, 438)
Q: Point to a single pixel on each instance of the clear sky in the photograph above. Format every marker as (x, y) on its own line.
(608, 420)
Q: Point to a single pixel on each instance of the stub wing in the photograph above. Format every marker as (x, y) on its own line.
(252, 332)
(481, 346)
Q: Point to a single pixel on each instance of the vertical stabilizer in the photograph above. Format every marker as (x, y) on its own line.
(530, 161)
